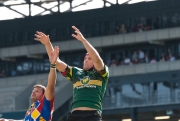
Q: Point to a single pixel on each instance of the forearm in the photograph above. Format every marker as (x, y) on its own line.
(49, 48)
(52, 78)
(60, 65)
(92, 51)
(49, 92)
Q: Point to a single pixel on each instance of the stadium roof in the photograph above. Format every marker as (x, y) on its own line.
(11, 9)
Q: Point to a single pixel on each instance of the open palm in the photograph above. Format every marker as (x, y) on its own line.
(78, 34)
(44, 39)
(54, 55)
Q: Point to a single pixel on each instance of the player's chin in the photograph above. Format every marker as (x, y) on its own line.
(32, 96)
(34, 99)
(85, 68)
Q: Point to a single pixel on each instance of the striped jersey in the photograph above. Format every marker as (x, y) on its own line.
(40, 110)
(88, 86)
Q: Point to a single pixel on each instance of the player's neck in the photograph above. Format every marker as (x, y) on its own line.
(90, 69)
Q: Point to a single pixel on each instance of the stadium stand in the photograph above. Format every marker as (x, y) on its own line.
(138, 90)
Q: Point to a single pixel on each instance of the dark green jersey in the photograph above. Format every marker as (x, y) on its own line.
(88, 86)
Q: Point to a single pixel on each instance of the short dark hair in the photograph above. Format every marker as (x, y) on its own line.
(40, 86)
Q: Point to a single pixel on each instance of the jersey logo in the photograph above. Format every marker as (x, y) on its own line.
(35, 114)
(85, 80)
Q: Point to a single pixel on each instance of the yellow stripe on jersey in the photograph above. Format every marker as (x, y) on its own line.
(70, 71)
(104, 75)
(96, 82)
(77, 84)
(68, 78)
(106, 72)
(91, 82)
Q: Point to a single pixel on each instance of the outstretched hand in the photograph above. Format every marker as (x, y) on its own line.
(44, 39)
(78, 34)
(54, 55)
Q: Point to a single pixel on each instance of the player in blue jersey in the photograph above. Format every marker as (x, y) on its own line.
(43, 97)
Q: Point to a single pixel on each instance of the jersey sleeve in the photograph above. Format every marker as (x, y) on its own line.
(68, 73)
(48, 105)
(48, 108)
(105, 72)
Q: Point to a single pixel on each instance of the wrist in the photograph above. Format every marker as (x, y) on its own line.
(83, 40)
(53, 65)
(47, 43)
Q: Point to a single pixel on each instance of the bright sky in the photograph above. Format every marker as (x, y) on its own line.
(6, 13)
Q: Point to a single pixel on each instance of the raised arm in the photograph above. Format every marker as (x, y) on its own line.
(49, 92)
(98, 62)
(45, 40)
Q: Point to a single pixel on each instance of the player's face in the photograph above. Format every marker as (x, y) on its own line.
(88, 62)
(37, 94)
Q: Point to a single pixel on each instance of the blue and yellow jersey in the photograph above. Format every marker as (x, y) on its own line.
(40, 111)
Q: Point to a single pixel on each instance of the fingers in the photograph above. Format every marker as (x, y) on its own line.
(76, 29)
(37, 39)
(77, 32)
(73, 35)
(56, 49)
(40, 33)
(54, 54)
(36, 35)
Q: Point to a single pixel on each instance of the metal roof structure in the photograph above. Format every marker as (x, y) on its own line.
(10, 9)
